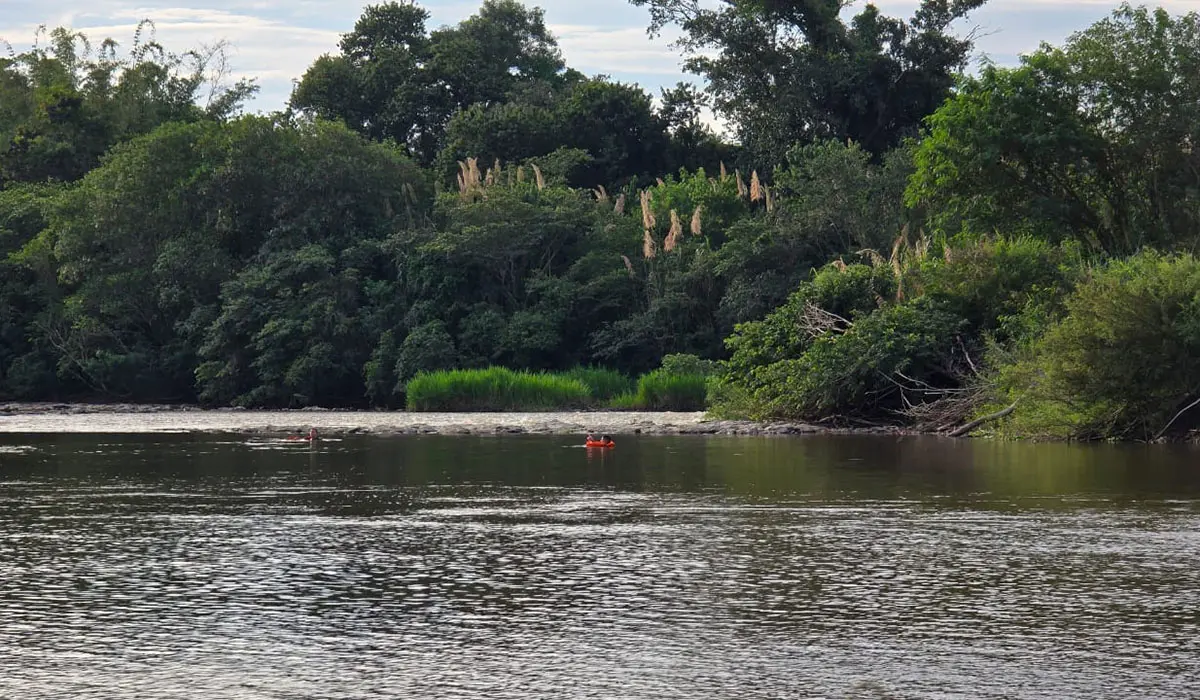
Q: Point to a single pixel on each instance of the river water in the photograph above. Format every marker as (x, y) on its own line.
(181, 566)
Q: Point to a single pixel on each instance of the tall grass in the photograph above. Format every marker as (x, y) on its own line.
(603, 384)
(664, 391)
(494, 389)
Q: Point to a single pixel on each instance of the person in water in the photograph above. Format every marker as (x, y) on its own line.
(606, 440)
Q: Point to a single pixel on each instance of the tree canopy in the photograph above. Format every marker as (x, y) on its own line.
(784, 72)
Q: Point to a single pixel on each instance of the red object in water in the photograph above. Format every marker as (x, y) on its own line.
(599, 443)
(311, 437)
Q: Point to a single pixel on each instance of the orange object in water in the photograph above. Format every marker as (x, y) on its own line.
(599, 443)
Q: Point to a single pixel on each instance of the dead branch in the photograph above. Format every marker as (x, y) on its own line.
(986, 419)
(1177, 416)
(817, 321)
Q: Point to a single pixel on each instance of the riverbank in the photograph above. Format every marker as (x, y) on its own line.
(142, 418)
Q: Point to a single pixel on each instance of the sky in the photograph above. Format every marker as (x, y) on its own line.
(276, 40)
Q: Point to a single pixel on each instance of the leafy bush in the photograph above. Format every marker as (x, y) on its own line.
(844, 291)
(989, 281)
(1122, 362)
(681, 363)
(494, 389)
(857, 373)
(427, 349)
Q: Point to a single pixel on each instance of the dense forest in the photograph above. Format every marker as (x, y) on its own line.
(887, 234)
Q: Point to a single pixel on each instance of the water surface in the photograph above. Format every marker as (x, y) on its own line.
(176, 566)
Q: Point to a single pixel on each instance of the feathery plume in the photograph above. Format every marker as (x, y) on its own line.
(742, 191)
(537, 174)
(770, 199)
(601, 194)
(473, 170)
(696, 223)
(628, 265)
(675, 233)
(648, 220)
(648, 251)
(619, 208)
(724, 172)
(755, 187)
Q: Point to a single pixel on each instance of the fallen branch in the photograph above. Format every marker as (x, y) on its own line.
(986, 419)
(1177, 416)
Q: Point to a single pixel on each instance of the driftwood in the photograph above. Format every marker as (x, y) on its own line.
(1177, 416)
(980, 421)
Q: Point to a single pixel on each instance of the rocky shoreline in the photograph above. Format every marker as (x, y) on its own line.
(159, 418)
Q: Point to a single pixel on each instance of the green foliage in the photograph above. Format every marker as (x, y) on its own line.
(844, 292)
(614, 124)
(1078, 142)
(429, 348)
(864, 342)
(682, 363)
(832, 201)
(1121, 363)
(394, 80)
(155, 248)
(854, 374)
(494, 389)
(603, 384)
(788, 71)
(145, 243)
(27, 356)
(62, 105)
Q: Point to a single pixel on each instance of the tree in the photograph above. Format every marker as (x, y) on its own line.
(614, 124)
(1093, 141)
(26, 301)
(63, 105)
(144, 243)
(784, 72)
(393, 80)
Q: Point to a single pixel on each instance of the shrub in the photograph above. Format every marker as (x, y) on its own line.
(856, 373)
(845, 291)
(494, 389)
(1122, 362)
(687, 364)
(427, 348)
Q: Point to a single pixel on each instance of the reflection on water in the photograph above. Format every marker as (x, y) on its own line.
(206, 567)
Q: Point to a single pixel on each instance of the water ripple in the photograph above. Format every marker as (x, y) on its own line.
(272, 589)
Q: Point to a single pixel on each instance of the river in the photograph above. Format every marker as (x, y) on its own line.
(217, 566)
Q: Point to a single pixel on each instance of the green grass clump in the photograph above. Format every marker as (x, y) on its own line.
(494, 389)
(663, 391)
(604, 384)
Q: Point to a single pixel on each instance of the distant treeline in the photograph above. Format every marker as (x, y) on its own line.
(881, 239)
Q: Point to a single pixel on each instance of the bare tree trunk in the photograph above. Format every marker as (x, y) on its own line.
(986, 419)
